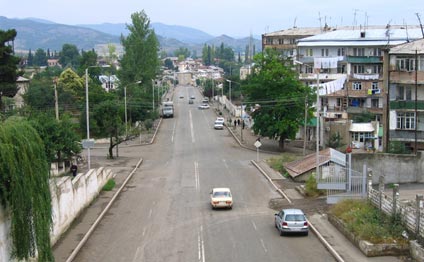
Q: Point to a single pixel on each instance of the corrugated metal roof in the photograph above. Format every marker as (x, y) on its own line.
(296, 31)
(409, 48)
(368, 38)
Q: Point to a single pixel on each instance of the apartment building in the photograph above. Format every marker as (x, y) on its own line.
(350, 72)
(406, 95)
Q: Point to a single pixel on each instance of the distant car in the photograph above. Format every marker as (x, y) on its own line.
(181, 96)
(291, 221)
(203, 106)
(205, 100)
(218, 125)
(221, 198)
(221, 120)
(192, 97)
(190, 101)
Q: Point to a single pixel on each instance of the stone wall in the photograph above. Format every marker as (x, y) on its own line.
(397, 169)
(69, 197)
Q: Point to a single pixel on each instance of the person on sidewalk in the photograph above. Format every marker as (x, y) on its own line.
(238, 122)
(74, 169)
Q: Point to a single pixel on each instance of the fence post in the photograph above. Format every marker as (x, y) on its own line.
(418, 198)
(369, 184)
(380, 191)
(395, 198)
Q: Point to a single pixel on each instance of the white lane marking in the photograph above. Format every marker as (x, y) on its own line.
(201, 245)
(254, 226)
(150, 213)
(196, 176)
(263, 246)
(144, 232)
(136, 254)
(225, 163)
(191, 127)
(173, 132)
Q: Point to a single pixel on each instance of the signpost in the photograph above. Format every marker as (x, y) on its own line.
(257, 144)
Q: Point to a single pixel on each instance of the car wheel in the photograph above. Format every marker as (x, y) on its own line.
(281, 233)
(306, 233)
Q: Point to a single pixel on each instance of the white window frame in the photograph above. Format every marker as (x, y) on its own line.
(357, 85)
(405, 120)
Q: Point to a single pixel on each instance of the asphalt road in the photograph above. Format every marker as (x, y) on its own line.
(164, 212)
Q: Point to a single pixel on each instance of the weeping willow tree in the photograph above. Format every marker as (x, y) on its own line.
(24, 190)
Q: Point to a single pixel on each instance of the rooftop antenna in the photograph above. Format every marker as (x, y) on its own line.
(294, 24)
(421, 25)
(406, 28)
(319, 18)
(354, 17)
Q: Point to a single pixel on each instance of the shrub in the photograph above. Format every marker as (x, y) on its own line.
(311, 189)
(369, 223)
(110, 184)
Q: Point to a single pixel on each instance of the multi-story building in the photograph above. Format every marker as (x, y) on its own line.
(406, 95)
(350, 64)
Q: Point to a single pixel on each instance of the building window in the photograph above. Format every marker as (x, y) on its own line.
(358, 69)
(405, 64)
(374, 85)
(358, 51)
(376, 52)
(341, 69)
(400, 93)
(361, 136)
(405, 120)
(408, 93)
(324, 52)
(374, 103)
(341, 52)
(357, 86)
(376, 69)
(309, 52)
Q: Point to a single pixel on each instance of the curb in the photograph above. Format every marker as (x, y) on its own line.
(327, 245)
(100, 217)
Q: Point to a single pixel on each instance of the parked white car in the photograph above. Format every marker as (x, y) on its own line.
(203, 106)
(221, 198)
(221, 120)
(291, 221)
(218, 125)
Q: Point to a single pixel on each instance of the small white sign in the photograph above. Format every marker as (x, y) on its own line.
(257, 144)
(88, 143)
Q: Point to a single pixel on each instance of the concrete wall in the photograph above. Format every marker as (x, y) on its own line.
(69, 198)
(396, 168)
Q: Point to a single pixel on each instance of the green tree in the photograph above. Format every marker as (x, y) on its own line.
(40, 57)
(140, 61)
(168, 64)
(25, 191)
(88, 59)
(8, 65)
(107, 118)
(182, 51)
(30, 59)
(69, 56)
(71, 89)
(276, 87)
(60, 137)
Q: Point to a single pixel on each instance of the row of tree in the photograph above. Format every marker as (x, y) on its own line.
(33, 137)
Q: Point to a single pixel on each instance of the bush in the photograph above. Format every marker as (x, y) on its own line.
(110, 184)
(148, 123)
(311, 189)
(367, 222)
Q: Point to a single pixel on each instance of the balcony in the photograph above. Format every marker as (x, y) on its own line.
(364, 59)
(410, 104)
(406, 77)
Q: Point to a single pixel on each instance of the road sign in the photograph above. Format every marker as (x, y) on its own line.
(257, 144)
(88, 143)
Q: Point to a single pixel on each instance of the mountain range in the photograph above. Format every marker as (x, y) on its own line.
(34, 33)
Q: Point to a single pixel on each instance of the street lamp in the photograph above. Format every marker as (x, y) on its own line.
(230, 88)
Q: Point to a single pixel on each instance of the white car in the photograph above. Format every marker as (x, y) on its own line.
(204, 106)
(221, 198)
(221, 120)
(218, 125)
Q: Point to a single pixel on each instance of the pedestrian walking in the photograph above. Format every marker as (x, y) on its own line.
(238, 121)
(74, 169)
(235, 122)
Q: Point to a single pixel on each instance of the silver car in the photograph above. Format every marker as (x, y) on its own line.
(291, 221)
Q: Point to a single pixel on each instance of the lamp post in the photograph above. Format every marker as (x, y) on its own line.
(87, 118)
(229, 88)
(153, 95)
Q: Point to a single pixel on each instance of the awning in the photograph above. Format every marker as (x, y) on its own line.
(361, 127)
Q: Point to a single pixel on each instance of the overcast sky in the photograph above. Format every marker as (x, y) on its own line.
(230, 17)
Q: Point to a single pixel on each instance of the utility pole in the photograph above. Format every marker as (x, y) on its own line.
(421, 25)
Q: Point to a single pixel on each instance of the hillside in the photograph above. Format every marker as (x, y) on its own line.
(35, 33)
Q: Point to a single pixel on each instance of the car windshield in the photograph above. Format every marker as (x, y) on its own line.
(295, 218)
(221, 194)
